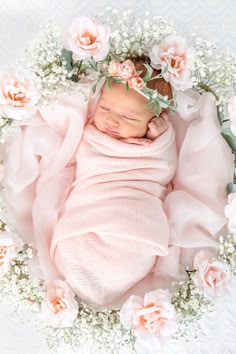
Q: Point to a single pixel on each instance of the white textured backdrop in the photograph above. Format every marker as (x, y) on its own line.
(213, 19)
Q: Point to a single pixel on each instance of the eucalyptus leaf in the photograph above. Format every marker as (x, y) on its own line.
(230, 138)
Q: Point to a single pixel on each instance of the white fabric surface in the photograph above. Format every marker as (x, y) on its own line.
(211, 19)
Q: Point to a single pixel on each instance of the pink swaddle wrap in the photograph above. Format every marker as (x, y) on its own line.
(114, 215)
(41, 186)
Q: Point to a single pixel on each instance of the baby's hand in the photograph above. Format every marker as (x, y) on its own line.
(157, 126)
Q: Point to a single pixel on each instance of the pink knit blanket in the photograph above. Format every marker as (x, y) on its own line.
(118, 193)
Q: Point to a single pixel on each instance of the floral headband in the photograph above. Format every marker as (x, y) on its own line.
(89, 42)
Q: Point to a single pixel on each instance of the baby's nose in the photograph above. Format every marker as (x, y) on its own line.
(113, 120)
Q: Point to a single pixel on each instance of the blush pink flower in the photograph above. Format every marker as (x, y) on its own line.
(113, 68)
(126, 70)
(230, 212)
(212, 276)
(59, 307)
(7, 250)
(173, 52)
(152, 318)
(86, 38)
(18, 96)
(136, 82)
(232, 114)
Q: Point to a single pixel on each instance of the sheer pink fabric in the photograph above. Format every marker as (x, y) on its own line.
(40, 166)
(118, 194)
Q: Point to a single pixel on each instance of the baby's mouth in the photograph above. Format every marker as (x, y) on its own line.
(111, 132)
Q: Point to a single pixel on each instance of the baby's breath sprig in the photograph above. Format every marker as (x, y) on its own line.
(101, 330)
(17, 281)
(5, 124)
(215, 73)
(190, 304)
(52, 64)
(131, 34)
(227, 250)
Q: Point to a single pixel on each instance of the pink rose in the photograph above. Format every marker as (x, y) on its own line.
(232, 114)
(174, 52)
(151, 318)
(126, 70)
(18, 96)
(59, 307)
(212, 276)
(230, 212)
(113, 68)
(7, 250)
(136, 82)
(86, 38)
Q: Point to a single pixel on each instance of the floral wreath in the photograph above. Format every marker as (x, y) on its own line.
(56, 64)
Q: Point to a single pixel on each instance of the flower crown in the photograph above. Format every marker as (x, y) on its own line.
(89, 52)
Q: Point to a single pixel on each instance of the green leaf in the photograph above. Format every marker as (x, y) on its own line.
(93, 64)
(149, 72)
(149, 103)
(116, 79)
(84, 67)
(230, 187)
(165, 69)
(155, 77)
(173, 109)
(220, 115)
(108, 81)
(158, 108)
(94, 87)
(127, 87)
(230, 138)
(66, 55)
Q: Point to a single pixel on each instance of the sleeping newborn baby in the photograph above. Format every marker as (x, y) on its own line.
(112, 227)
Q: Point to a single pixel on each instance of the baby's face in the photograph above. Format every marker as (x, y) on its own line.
(122, 114)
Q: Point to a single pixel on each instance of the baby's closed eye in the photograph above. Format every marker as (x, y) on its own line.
(105, 108)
